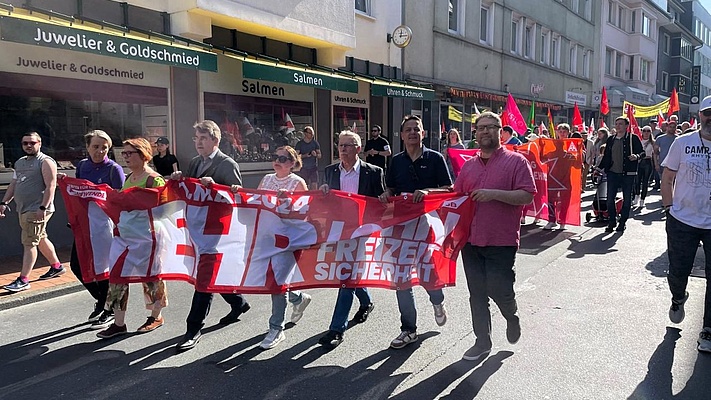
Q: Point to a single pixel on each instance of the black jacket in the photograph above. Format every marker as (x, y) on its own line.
(223, 170)
(628, 166)
(370, 182)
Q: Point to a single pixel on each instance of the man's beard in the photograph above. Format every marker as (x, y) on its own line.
(706, 127)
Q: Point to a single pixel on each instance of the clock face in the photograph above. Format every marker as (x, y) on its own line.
(402, 36)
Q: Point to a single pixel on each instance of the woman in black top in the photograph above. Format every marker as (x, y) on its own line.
(164, 162)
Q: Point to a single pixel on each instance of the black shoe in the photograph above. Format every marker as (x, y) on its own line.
(52, 273)
(233, 315)
(621, 227)
(188, 341)
(513, 330)
(610, 228)
(105, 319)
(331, 339)
(362, 314)
(96, 313)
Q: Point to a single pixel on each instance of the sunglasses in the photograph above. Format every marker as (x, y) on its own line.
(128, 153)
(281, 159)
(706, 113)
(29, 143)
(375, 130)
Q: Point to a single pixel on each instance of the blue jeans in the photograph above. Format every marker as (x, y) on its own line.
(276, 321)
(408, 311)
(490, 274)
(339, 321)
(682, 243)
(616, 181)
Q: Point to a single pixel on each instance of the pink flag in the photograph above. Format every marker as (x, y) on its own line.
(514, 117)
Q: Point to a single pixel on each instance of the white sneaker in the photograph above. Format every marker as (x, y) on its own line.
(299, 309)
(440, 314)
(551, 226)
(403, 339)
(273, 338)
(705, 340)
(635, 201)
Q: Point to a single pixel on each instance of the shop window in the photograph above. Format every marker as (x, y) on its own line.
(253, 128)
(63, 114)
(353, 118)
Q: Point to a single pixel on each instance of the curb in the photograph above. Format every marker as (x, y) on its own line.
(23, 298)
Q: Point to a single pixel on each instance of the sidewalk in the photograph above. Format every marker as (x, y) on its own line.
(39, 290)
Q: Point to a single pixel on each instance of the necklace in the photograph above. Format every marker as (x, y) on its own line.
(706, 152)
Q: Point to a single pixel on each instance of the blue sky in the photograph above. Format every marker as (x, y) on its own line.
(706, 4)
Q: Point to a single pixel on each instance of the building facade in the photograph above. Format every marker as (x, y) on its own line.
(698, 20)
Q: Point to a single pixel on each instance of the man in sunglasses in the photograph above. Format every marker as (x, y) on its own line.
(377, 148)
(212, 166)
(32, 187)
(418, 171)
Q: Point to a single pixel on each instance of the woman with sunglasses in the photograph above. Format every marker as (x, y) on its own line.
(645, 168)
(284, 161)
(97, 168)
(136, 154)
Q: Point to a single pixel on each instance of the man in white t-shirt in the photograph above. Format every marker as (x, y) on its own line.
(686, 196)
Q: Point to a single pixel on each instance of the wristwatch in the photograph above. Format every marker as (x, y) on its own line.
(43, 208)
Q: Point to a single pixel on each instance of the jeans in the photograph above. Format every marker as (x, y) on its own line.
(682, 243)
(616, 181)
(408, 312)
(491, 274)
(200, 307)
(644, 172)
(276, 321)
(339, 321)
(97, 289)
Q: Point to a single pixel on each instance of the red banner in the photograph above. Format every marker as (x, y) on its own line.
(255, 242)
(557, 168)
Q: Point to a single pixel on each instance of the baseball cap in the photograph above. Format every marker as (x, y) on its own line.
(162, 140)
(705, 104)
(653, 120)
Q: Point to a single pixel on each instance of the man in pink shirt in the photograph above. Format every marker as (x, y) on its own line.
(501, 182)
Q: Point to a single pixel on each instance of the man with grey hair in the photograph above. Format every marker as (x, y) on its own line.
(350, 175)
(32, 187)
(210, 166)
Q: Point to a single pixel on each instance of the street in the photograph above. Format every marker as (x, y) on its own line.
(593, 308)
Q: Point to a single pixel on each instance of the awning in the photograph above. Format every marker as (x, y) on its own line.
(67, 35)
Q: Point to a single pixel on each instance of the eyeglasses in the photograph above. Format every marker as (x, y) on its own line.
(128, 153)
(488, 127)
(201, 138)
(706, 113)
(346, 145)
(413, 173)
(281, 159)
(29, 143)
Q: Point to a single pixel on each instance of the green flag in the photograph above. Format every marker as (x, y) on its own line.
(532, 115)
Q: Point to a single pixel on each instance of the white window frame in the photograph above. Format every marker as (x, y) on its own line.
(611, 14)
(368, 8)
(666, 46)
(546, 46)
(621, 17)
(489, 39)
(529, 42)
(633, 21)
(587, 56)
(573, 59)
(588, 10)
(618, 65)
(555, 51)
(515, 37)
(644, 70)
(665, 81)
(646, 28)
(460, 17)
(611, 62)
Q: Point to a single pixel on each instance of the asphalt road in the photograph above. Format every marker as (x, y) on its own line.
(593, 309)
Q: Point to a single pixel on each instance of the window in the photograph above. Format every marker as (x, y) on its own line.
(618, 65)
(644, 70)
(665, 81)
(545, 46)
(666, 44)
(528, 42)
(630, 67)
(575, 6)
(686, 49)
(608, 61)
(555, 43)
(621, 17)
(611, 12)
(633, 25)
(454, 15)
(484, 25)
(514, 36)
(363, 6)
(588, 10)
(586, 64)
(573, 59)
(646, 25)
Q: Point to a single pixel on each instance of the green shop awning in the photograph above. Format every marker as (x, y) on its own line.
(63, 35)
(298, 76)
(403, 91)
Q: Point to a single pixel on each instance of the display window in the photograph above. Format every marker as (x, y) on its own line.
(351, 118)
(254, 127)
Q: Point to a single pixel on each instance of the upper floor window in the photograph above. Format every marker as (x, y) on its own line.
(363, 6)
(454, 15)
(646, 25)
(621, 17)
(545, 46)
(555, 47)
(573, 58)
(586, 64)
(608, 61)
(666, 44)
(611, 12)
(633, 21)
(514, 36)
(644, 70)
(528, 42)
(485, 25)
(686, 49)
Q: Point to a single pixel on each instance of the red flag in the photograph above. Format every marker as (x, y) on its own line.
(514, 117)
(634, 126)
(693, 123)
(444, 128)
(673, 102)
(604, 104)
(577, 118)
(504, 119)
(551, 125)
(660, 119)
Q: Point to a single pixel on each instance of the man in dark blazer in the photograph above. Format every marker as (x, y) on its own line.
(354, 176)
(210, 166)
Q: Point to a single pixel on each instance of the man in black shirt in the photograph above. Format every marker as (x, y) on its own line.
(377, 148)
